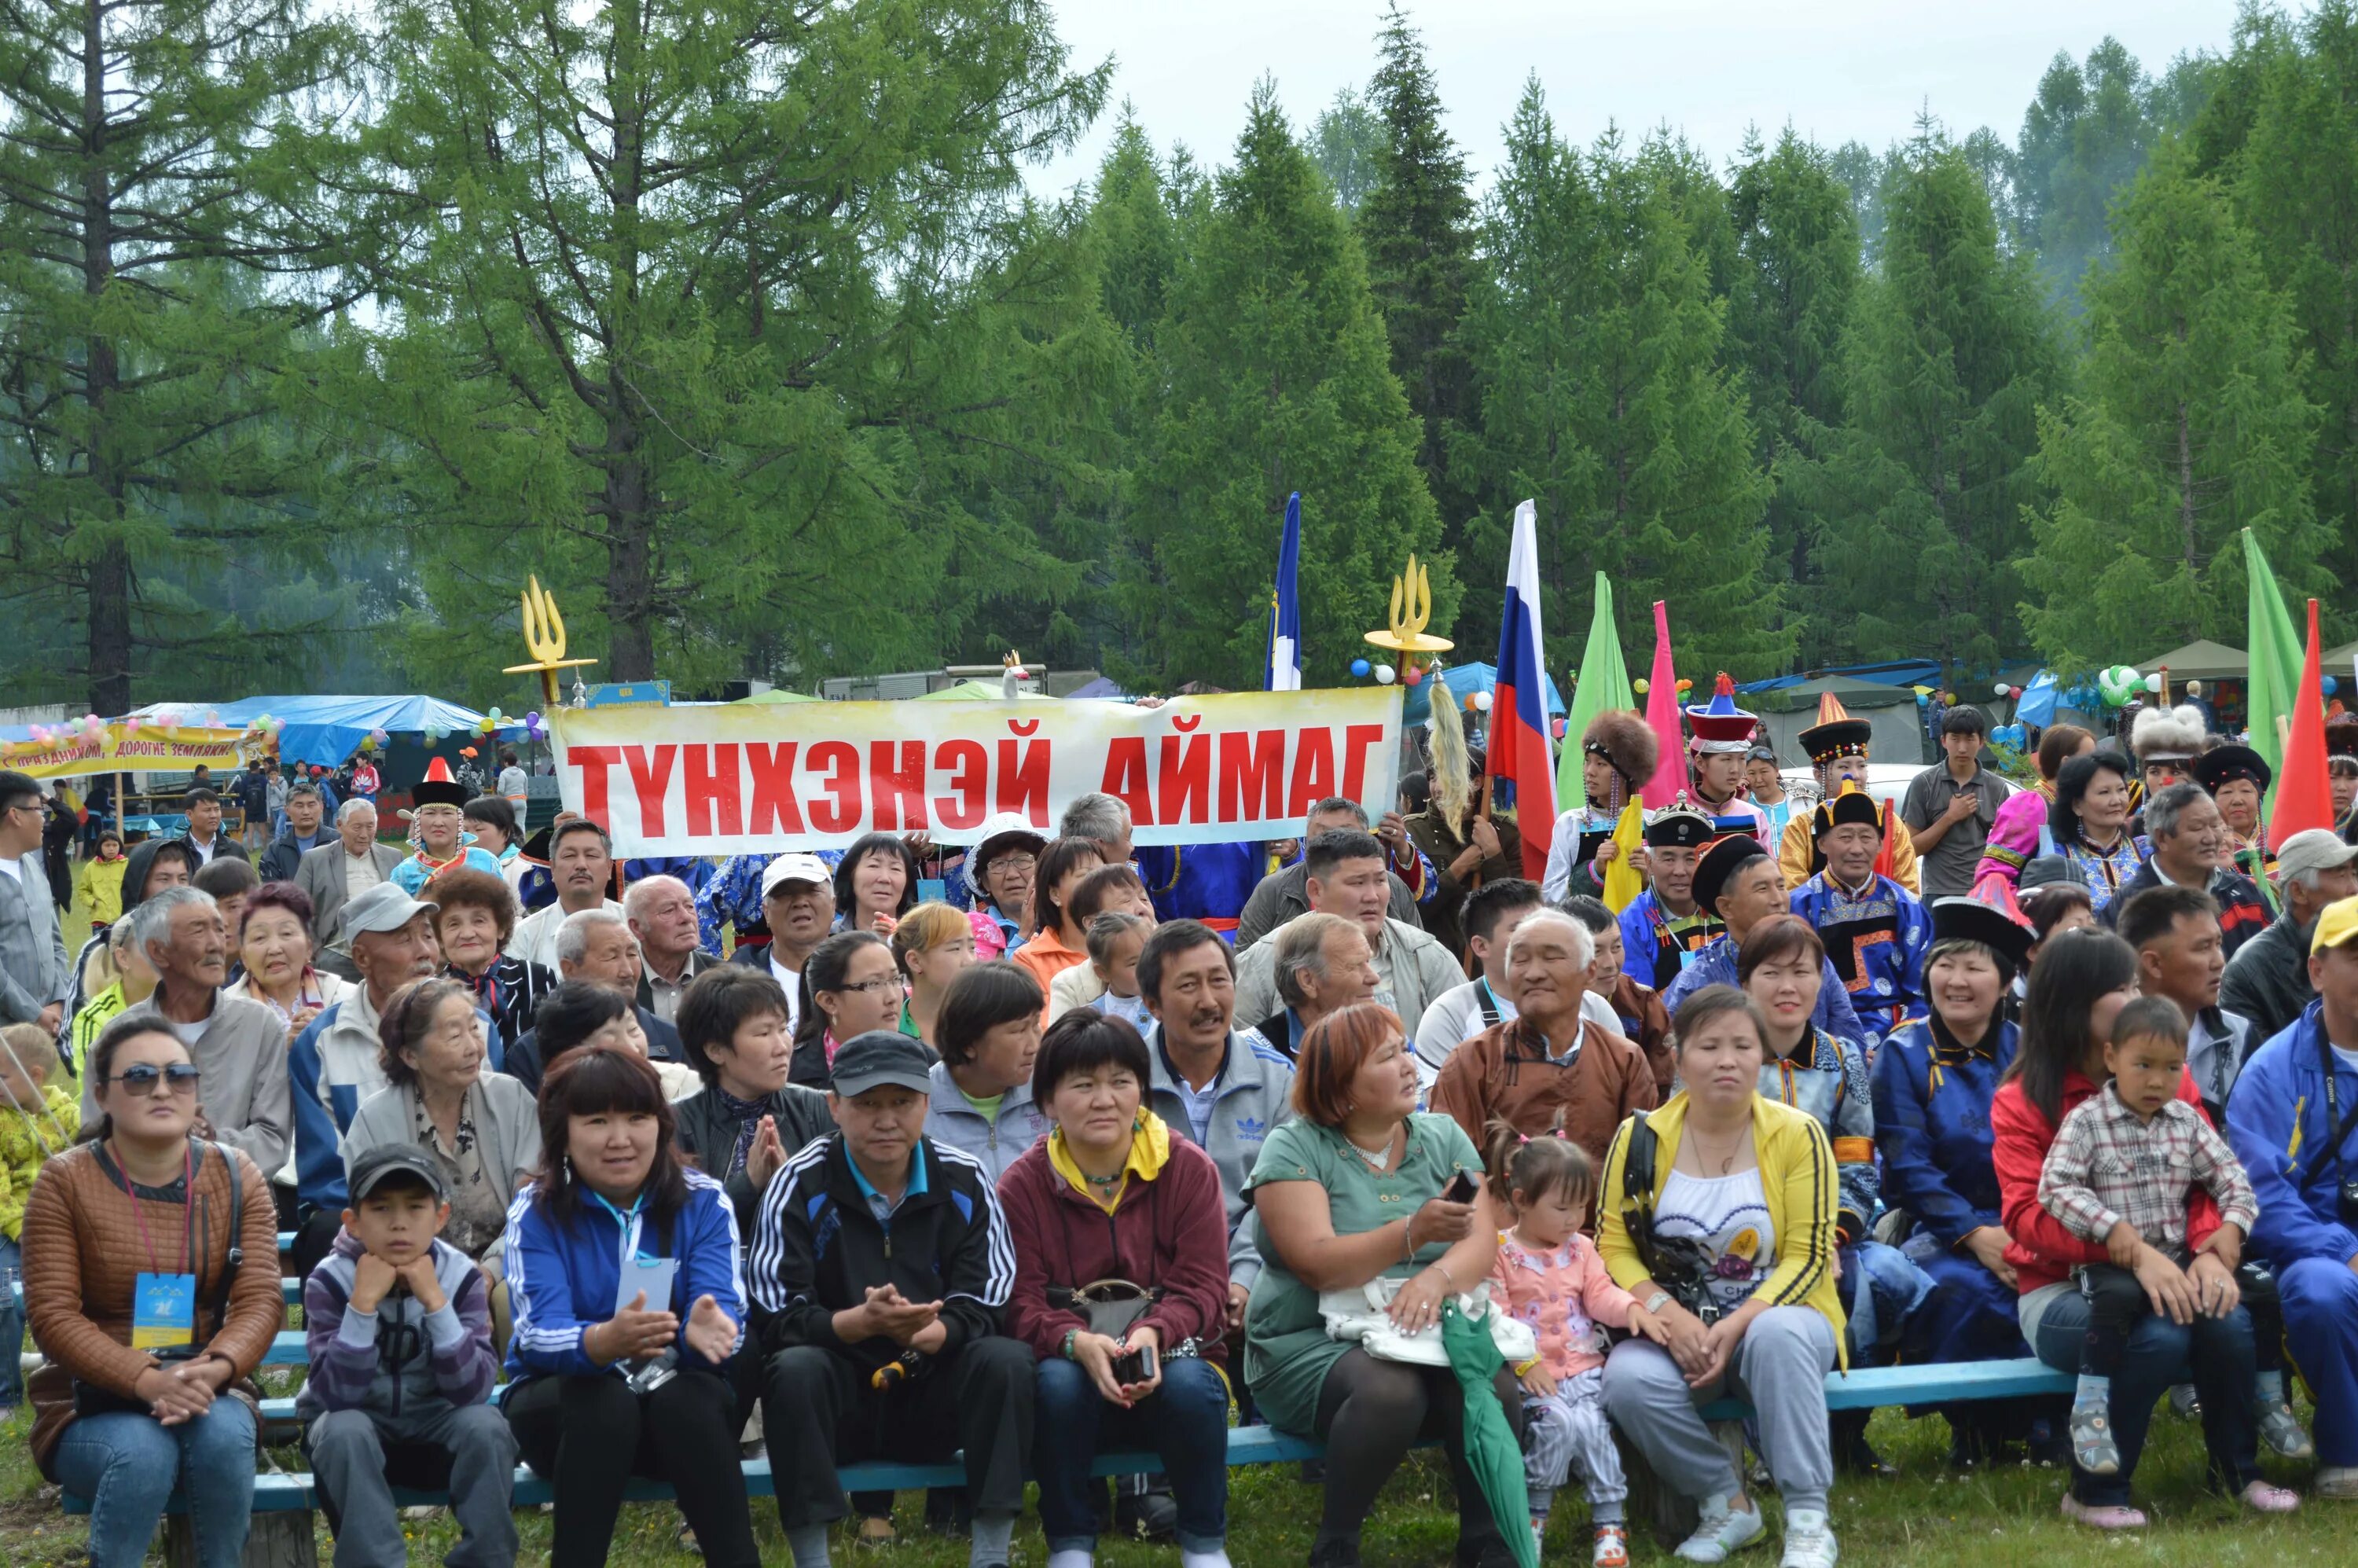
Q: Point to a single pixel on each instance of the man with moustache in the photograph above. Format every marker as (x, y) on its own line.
(581, 863)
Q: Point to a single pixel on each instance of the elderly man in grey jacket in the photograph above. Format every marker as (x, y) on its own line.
(239, 1046)
(33, 976)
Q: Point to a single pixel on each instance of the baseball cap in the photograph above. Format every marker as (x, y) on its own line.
(884, 1057)
(2313, 849)
(2336, 924)
(384, 907)
(373, 1165)
(794, 869)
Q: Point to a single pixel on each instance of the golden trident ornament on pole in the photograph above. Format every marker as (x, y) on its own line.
(1411, 611)
(543, 639)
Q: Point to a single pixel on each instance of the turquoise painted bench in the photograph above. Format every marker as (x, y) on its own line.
(1869, 1387)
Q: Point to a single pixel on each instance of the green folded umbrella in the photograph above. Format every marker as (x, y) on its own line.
(1491, 1451)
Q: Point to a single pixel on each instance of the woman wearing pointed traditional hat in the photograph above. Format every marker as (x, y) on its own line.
(1837, 744)
(438, 825)
(1934, 1079)
(1618, 752)
(2238, 778)
(1721, 734)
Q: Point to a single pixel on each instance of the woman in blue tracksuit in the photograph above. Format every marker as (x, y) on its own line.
(2292, 1096)
(610, 1376)
(1934, 1076)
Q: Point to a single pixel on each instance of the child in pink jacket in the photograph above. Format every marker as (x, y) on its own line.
(1549, 1275)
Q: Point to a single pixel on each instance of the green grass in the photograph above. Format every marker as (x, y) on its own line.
(1927, 1518)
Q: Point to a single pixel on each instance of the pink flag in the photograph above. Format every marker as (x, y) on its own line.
(1662, 713)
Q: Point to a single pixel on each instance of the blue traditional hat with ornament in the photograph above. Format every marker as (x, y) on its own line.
(1719, 725)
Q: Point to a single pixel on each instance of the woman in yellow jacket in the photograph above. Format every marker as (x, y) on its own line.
(1729, 1249)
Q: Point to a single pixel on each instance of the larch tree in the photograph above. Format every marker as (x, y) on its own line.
(1272, 375)
(2190, 426)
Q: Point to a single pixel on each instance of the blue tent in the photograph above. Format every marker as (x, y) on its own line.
(326, 730)
(1463, 680)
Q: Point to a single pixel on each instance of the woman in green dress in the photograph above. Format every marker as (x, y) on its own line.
(1349, 1191)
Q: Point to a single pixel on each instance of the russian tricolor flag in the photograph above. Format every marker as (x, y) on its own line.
(1519, 721)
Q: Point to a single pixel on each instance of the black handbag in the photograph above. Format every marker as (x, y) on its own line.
(1680, 1264)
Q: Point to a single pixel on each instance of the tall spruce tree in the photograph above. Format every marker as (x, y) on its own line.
(1797, 238)
(1417, 224)
(153, 168)
(703, 312)
(2189, 427)
(2283, 130)
(1949, 353)
(1598, 342)
(1273, 376)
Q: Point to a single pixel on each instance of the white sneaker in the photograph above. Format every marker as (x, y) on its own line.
(1809, 1540)
(1723, 1532)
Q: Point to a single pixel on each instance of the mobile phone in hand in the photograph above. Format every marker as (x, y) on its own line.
(1460, 1189)
(1134, 1367)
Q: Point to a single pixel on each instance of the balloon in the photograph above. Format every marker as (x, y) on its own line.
(1923, 699)
(1467, 702)
(1384, 675)
(1412, 677)
(2331, 686)
(1359, 668)
(1685, 686)
(532, 719)
(40, 734)
(1557, 729)
(2002, 688)
(1481, 702)
(494, 716)
(1638, 686)
(212, 718)
(2153, 683)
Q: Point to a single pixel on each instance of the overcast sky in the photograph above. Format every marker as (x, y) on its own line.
(1838, 69)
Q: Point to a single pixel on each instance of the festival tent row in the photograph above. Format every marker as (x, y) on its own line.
(324, 731)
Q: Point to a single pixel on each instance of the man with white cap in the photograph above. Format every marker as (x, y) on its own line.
(2267, 979)
(798, 906)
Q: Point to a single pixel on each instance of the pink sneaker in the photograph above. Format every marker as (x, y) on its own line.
(2113, 1516)
(2263, 1499)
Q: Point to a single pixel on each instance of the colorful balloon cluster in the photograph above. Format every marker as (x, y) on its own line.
(2014, 737)
(2121, 685)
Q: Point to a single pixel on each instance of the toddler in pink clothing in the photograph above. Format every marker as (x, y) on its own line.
(1550, 1276)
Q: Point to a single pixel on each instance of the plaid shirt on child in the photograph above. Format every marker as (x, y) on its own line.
(2108, 1164)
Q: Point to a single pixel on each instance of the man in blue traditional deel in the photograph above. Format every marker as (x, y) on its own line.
(1202, 882)
(1934, 1077)
(1875, 930)
(1663, 926)
(1737, 882)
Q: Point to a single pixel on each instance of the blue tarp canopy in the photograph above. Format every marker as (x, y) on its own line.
(1897, 672)
(1463, 680)
(326, 730)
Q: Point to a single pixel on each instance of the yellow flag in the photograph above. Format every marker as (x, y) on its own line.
(1623, 884)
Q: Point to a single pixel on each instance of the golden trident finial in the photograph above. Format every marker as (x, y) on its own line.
(543, 639)
(1411, 611)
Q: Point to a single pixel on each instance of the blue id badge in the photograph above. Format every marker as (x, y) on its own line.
(652, 1275)
(163, 1311)
(932, 890)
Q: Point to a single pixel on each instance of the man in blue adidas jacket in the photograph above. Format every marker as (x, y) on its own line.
(2292, 1096)
(879, 1270)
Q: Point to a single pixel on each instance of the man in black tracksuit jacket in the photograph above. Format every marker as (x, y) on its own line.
(879, 1247)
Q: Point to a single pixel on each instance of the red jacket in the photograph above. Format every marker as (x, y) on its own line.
(1172, 1231)
(2041, 1251)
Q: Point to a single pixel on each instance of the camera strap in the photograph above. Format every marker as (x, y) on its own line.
(2340, 1124)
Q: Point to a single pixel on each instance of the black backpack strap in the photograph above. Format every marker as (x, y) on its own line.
(1638, 1153)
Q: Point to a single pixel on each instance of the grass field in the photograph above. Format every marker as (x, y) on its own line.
(1928, 1518)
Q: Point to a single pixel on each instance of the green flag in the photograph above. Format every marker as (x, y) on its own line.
(2275, 653)
(1603, 686)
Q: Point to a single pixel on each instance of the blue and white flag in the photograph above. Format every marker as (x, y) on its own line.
(1286, 607)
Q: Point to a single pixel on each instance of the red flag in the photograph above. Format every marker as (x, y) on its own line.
(2303, 796)
(1662, 715)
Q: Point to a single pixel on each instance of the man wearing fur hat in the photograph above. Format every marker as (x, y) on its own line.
(1837, 744)
(2165, 745)
(1875, 930)
(1618, 752)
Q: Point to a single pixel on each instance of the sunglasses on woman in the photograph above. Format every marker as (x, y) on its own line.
(180, 1078)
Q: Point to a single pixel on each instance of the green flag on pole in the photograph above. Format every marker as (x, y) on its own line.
(2275, 653)
(1603, 686)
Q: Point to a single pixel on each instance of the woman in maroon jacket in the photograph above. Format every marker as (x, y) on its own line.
(1109, 1194)
(2079, 986)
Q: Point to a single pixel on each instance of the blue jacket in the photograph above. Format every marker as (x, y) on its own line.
(1715, 965)
(562, 1278)
(2277, 1124)
(1932, 1120)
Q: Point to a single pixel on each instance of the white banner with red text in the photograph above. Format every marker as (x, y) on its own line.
(730, 779)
